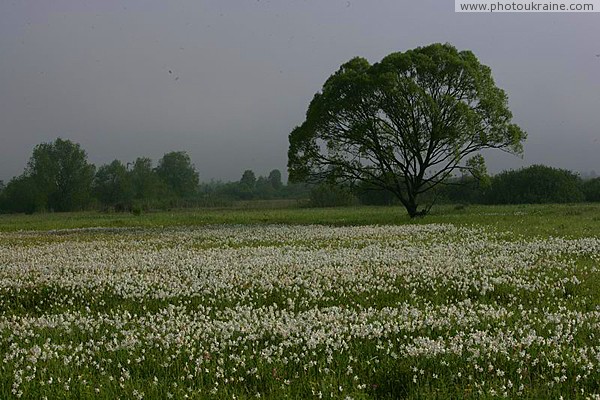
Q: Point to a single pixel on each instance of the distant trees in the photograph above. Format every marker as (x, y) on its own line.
(147, 185)
(247, 185)
(113, 185)
(370, 194)
(142, 186)
(275, 179)
(58, 177)
(591, 189)
(535, 184)
(328, 195)
(465, 189)
(62, 175)
(251, 187)
(248, 179)
(20, 196)
(176, 170)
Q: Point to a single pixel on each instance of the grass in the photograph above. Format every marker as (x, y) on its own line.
(568, 220)
(268, 302)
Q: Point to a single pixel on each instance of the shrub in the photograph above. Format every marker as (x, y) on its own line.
(535, 184)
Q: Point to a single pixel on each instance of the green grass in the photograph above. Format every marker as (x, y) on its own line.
(570, 220)
(165, 338)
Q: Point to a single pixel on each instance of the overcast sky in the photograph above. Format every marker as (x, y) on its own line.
(228, 80)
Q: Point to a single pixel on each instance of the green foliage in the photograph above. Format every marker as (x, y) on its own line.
(295, 190)
(370, 194)
(464, 190)
(325, 195)
(251, 187)
(20, 196)
(176, 170)
(404, 124)
(113, 187)
(275, 179)
(476, 166)
(591, 189)
(58, 178)
(248, 179)
(61, 176)
(263, 188)
(133, 186)
(535, 184)
(247, 185)
(145, 181)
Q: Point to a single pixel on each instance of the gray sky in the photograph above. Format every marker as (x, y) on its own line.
(243, 73)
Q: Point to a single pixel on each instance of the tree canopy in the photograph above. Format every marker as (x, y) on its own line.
(535, 184)
(404, 124)
(146, 184)
(178, 173)
(248, 179)
(112, 185)
(591, 189)
(62, 175)
(275, 179)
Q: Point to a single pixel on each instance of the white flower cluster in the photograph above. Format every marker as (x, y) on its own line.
(297, 310)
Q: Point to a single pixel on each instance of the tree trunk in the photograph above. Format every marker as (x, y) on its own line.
(410, 203)
(412, 208)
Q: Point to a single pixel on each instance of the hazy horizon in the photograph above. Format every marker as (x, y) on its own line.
(227, 81)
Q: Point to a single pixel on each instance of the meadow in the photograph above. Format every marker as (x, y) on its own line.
(261, 302)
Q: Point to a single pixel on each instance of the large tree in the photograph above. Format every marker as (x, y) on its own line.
(62, 175)
(404, 124)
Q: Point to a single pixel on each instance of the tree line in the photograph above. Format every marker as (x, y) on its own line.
(58, 177)
(537, 184)
(395, 132)
(531, 185)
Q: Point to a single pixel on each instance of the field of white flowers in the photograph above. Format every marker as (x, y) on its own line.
(276, 311)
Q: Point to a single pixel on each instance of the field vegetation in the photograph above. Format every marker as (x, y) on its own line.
(262, 302)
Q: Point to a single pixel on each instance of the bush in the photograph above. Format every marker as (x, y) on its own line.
(535, 184)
